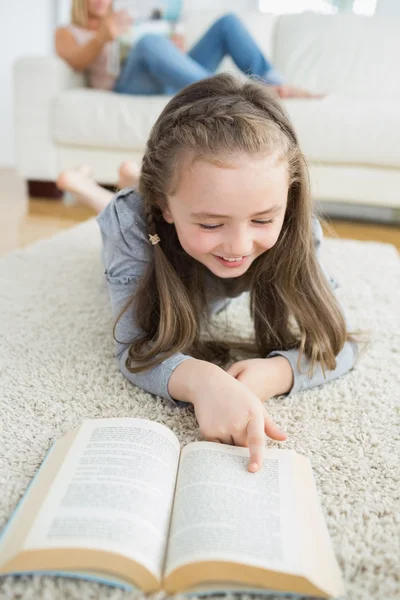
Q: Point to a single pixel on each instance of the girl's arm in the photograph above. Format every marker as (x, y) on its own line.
(344, 362)
(126, 254)
(346, 358)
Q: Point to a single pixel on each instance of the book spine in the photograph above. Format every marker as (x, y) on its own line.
(21, 501)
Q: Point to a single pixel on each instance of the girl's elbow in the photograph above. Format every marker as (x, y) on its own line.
(354, 346)
(347, 357)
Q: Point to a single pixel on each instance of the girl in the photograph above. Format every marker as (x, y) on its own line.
(155, 64)
(222, 207)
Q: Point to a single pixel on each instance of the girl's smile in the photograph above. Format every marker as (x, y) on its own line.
(232, 263)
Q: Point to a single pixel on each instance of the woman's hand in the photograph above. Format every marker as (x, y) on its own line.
(265, 377)
(178, 40)
(230, 413)
(114, 25)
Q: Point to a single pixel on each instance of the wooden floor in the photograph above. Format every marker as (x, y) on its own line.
(24, 220)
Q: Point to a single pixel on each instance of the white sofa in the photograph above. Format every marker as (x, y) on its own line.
(350, 137)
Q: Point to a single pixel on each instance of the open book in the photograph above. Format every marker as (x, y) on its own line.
(116, 500)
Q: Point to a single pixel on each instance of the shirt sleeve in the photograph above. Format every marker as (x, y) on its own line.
(126, 253)
(344, 360)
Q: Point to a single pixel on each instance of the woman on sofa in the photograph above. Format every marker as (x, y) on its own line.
(154, 65)
(157, 64)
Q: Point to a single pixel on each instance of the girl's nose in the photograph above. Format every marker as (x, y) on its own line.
(240, 242)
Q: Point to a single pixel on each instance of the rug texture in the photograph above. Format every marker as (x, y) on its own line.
(57, 367)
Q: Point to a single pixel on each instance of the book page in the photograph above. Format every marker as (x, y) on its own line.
(223, 512)
(113, 492)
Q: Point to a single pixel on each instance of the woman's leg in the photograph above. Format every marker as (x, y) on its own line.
(228, 36)
(156, 66)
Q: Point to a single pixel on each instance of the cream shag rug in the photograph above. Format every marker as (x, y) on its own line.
(57, 368)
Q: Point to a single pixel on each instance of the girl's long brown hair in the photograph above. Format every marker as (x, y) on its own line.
(292, 304)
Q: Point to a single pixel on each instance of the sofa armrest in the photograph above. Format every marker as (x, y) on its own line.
(37, 79)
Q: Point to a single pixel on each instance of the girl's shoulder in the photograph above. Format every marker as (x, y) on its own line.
(318, 237)
(123, 223)
(317, 233)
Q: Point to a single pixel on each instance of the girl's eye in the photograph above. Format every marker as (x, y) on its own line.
(264, 222)
(210, 226)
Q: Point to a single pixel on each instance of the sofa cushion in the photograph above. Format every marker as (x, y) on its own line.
(344, 130)
(336, 129)
(97, 118)
(346, 54)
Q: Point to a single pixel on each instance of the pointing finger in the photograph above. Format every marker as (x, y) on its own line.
(255, 440)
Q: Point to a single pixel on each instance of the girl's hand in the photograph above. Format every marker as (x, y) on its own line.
(114, 25)
(230, 413)
(265, 377)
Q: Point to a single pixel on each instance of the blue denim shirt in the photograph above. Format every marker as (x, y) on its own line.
(126, 252)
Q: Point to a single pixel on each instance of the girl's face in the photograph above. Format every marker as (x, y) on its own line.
(98, 8)
(227, 214)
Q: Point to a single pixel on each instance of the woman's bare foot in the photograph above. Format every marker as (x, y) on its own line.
(291, 91)
(80, 183)
(129, 173)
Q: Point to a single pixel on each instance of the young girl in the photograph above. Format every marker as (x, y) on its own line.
(222, 207)
(156, 64)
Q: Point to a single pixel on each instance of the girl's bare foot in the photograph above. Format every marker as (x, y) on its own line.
(129, 173)
(80, 184)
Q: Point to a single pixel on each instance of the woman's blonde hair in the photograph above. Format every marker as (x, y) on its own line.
(292, 304)
(79, 12)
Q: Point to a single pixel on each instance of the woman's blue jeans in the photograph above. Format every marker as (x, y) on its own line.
(156, 66)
